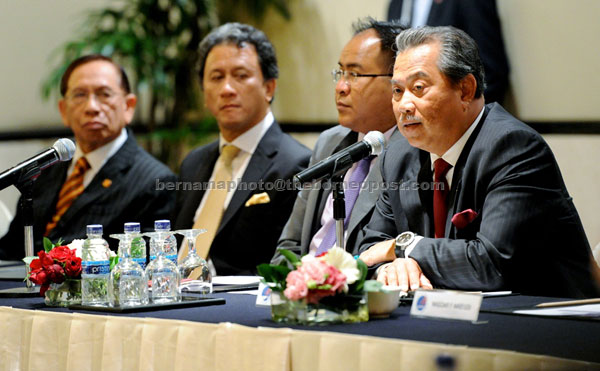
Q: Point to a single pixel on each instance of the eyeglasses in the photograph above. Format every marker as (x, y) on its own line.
(103, 95)
(351, 76)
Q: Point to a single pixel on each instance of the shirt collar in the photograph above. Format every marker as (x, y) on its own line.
(387, 134)
(249, 140)
(453, 153)
(98, 157)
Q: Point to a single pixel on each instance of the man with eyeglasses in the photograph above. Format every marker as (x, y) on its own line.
(110, 180)
(363, 98)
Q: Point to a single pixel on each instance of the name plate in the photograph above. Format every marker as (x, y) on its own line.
(263, 297)
(446, 304)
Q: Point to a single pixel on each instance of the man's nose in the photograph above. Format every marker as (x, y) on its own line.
(342, 87)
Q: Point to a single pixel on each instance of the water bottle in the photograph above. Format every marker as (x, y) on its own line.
(95, 268)
(170, 245)
(138, 245)
(128, 285)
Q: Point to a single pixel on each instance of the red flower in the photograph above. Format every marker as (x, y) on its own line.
(55, 273)
(38, 276)
(45, 259)
(44, 288)
(73, 267)
(60, 253)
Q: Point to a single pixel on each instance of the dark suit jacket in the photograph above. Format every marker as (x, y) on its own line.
(247, 235)
(305, 220)
(479, 19)
(131, 197)
(527, 236)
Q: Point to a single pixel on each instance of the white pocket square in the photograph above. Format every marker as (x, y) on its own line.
(259, 198)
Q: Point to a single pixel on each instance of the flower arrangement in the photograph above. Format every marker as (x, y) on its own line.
(330, 285)
(57, 263)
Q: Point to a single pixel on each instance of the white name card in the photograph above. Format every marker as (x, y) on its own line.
(446, 304)
(263, 297)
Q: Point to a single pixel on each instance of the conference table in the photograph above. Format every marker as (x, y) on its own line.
(241, 336)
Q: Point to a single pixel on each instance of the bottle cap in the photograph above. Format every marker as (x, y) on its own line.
(162, 225)
(132, 227)
(94, 229)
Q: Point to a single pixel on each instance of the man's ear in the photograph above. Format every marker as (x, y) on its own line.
(130, 103)
(270, 86)
(468, 86)
(62, 108)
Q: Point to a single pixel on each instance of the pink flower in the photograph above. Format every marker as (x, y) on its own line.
(315, 271)
(296, 288)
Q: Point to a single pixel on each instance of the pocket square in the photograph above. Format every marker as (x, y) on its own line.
(259, 198)
(462, 219)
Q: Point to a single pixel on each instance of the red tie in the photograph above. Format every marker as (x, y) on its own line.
(440, 191)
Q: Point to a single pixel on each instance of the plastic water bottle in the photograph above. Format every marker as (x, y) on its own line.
(95, 268)
(170, 246)
(138, 245)
(128, 284)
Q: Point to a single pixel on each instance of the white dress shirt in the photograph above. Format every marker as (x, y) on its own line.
(98, 157)
(247, 143)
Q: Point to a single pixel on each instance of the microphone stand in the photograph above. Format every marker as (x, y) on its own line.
(342, 165)
(25, 186)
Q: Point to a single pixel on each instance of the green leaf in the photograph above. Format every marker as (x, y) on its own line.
(113, 261)
(290, 256)
(359, 284)
(48, 245)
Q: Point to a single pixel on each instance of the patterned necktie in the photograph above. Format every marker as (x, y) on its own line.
(212, 212)
(71, 189)
(351, 194)
(440, 191)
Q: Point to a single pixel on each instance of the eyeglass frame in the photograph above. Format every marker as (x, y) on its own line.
(355, 75)
(81, 96)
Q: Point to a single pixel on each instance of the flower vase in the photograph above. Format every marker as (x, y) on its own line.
(329, 310)
(63, 294)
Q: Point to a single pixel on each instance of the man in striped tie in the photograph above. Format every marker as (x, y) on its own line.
(364, 102)
(110, 180)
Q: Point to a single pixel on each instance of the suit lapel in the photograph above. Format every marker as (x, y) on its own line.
(118, 163)
(416, 199)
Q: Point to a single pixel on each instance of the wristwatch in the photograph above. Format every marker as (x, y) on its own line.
(403, 241)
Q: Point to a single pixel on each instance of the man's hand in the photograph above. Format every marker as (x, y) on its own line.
(381, 252)
(405, 273)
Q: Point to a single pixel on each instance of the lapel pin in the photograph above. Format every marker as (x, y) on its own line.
(106, 183)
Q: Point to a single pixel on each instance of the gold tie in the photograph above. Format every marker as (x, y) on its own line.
(212, 212)
(71, 189)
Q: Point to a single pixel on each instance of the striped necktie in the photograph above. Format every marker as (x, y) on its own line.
(71, 189)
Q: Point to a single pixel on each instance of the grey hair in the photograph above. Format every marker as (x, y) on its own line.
(459, 54)
(240, 35)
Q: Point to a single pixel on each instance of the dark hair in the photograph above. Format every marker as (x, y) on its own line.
(387, 32)
(459, 54)
(240, 35)
(64, 81)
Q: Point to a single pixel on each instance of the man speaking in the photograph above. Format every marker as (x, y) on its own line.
(480, 203)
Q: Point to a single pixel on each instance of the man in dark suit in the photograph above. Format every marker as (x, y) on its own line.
(253, 157)
(499, 216)
(364, 104)
(118, 183)
(478, 18)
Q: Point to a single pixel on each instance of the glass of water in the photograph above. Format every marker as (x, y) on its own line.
(193, 266)
(128, 285)
(162, 273)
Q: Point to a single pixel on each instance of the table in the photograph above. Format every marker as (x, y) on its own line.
(241, 336)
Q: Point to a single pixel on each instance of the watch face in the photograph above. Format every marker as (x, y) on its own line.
(404, 238)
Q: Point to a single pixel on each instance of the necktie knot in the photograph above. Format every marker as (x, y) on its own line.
(440, 169)
(228, 153)
(82, 165)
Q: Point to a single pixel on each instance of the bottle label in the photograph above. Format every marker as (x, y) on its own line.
(140, 261)
(95, 267)
(172, 258)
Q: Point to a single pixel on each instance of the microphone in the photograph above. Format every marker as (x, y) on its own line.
(372, 144)
(62, 150)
